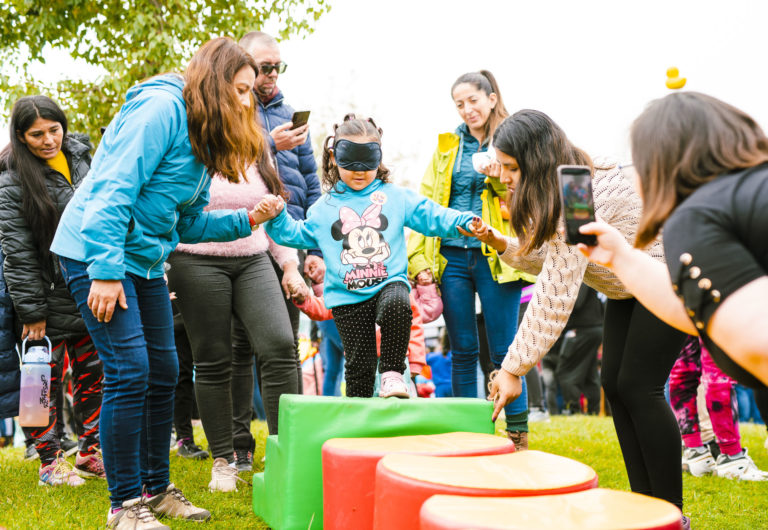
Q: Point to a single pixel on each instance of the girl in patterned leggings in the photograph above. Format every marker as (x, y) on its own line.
(694, 365)
(359, 224)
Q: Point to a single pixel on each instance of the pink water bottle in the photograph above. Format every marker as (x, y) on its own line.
(34, 402)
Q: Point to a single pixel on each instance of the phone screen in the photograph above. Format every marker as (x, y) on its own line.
(578, 204)
(300, 118)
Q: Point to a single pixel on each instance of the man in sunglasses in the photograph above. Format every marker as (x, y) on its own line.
(292, 148)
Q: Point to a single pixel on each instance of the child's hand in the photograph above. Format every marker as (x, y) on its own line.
(267, 209)
(425, 277)
(300, 294)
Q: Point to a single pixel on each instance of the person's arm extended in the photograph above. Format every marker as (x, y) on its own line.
(285, 230)
(646, 278)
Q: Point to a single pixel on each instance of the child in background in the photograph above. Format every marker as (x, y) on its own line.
(358, 224)
(440, 363)
(694, 365)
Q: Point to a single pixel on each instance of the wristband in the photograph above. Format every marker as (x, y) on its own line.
(252, 221)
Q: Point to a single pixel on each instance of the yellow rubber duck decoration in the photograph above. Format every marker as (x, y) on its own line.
(674, 81)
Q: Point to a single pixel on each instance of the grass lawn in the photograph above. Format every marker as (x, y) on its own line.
(713, 503)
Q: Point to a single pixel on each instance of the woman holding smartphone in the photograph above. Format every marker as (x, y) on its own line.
(463, 266)
(639, 350)
(145, 193)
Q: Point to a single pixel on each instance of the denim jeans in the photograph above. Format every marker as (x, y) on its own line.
(138, 353)
(466, 273)
(332, 353)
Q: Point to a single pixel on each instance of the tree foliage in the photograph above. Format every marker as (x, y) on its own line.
(127, 40)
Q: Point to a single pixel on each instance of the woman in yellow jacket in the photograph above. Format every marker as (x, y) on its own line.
(463, 266)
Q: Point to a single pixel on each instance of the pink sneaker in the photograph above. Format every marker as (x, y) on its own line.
(392, 385)
(90, 466)
(59, 473)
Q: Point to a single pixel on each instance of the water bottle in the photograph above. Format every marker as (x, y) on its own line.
(34, 402)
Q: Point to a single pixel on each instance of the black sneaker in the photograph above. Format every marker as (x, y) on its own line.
(243, 460)
(68, 447)
(188, 449)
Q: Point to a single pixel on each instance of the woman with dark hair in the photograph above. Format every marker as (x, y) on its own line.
(463, 266)
(145, 193)
(703, 174)
(40, 170)
(638, 349)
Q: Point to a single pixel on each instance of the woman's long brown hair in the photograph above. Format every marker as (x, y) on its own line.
(224, 135)
(539, 145)
(681, 142)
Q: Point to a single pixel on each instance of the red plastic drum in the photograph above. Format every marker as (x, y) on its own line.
(404, 482)
(595, 509)
(349, 469)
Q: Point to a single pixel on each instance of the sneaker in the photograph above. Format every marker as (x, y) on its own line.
(223, 476)
(173, 503)
(686, 523)
(243, 460)
(739, 466)
(538, 415)
(59, 473)
(188, 449)
(91, 465)
(68, 447)
(698, 461)
(135, 515)
(392, 385)
(30, 453)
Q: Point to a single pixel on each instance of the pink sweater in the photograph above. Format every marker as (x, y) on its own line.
(228, 196)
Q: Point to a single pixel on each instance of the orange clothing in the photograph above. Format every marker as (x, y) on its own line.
(314, 308)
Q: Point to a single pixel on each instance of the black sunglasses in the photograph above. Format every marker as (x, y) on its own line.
(266, 69)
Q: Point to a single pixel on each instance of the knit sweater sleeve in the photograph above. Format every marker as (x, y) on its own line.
(530, 263)
(557, 288)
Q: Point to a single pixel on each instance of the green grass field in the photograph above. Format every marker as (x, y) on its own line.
(713, 503)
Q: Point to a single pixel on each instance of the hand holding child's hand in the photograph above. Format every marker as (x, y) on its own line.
(267, 209)
(485, 233)
(300, 294)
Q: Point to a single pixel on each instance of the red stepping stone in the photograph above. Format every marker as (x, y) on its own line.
(595, 509)
(404, 482)
(349, 469)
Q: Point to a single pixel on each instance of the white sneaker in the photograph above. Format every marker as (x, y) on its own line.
(223, 476)
(739, 467)
(392, 385)
(135, 515)
(538, 415)
(698, 461)
(173, 503)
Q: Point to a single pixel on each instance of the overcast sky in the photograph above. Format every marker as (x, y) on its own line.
(591, 65)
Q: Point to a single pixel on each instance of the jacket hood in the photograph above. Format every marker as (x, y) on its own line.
(171, 83)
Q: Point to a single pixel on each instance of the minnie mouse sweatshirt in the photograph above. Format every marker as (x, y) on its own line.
(361, 235)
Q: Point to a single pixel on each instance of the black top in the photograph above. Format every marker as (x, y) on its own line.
(716, 242)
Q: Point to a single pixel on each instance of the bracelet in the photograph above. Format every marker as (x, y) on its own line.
(252, 222)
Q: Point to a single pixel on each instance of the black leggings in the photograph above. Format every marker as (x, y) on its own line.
(639, 351)
(391, 310)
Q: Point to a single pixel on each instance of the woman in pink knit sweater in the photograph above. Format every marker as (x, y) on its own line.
(217, 283)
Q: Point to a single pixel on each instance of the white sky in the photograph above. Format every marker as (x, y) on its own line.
(591, 65)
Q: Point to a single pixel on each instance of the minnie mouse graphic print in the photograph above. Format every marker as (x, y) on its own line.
(361, 234)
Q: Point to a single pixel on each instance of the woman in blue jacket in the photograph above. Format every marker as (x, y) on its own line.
(145, 193)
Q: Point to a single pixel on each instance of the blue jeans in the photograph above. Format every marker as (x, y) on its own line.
(138, 352)
(332, 353)
(466, 273)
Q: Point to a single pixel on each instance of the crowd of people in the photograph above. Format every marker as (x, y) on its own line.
(200, 229)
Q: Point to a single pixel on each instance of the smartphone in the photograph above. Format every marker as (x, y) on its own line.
(577, 202)
(300, 118)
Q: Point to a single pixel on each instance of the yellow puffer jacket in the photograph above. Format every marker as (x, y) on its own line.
(423, 251)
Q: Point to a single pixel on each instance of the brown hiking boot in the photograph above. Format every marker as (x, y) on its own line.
(519, 438)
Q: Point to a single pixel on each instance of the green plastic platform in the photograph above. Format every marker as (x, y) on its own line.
(288, 495)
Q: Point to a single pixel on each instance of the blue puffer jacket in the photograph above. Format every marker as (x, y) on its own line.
(9, 360)
(297, 167)
(145, 192)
